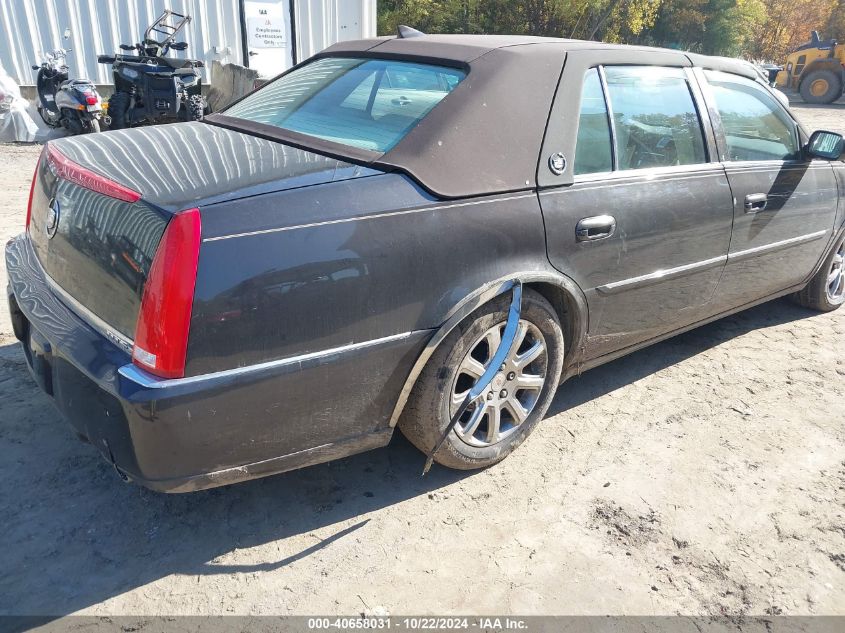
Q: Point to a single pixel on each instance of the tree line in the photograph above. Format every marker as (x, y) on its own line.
(754, 29)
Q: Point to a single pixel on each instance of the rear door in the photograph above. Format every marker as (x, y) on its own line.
(640, 216)
(784, 204)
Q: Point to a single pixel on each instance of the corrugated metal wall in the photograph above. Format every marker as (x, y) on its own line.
(321, 23)
(29, 27)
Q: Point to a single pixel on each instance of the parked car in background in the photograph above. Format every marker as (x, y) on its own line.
(339, 253)
(770, 72)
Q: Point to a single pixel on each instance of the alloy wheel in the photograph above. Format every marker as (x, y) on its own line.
(836, 276)
(515, 389)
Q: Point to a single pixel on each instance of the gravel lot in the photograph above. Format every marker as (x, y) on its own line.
(705, 475)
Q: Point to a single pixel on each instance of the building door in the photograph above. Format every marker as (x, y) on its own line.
(267, 36)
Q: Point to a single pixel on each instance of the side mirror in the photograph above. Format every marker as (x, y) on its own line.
(179, 46)
(825, 145)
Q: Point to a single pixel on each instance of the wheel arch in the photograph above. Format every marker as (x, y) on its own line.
(560, 291)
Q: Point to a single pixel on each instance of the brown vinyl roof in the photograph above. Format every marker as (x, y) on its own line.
(485, 137)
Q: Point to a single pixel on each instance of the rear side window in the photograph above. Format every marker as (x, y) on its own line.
(756, 126)
(656, 121)
(592, 149)
(369, 104)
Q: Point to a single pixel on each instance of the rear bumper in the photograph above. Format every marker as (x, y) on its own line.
(205, 431)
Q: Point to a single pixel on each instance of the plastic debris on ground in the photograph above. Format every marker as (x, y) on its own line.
(16, 125)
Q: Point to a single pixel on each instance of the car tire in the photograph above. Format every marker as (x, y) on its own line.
(815, 81)
(71, 121)
(432, 402)
(196, 108)
(826, 290)
(118, 105)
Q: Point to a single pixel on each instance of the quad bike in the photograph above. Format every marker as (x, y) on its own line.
(73, 104)
(151, 87)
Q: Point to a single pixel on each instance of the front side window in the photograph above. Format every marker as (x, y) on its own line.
(592, 149)
(657, 124)
(756, 126)
(368, 104)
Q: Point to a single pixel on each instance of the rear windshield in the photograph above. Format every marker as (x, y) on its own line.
(368, 104)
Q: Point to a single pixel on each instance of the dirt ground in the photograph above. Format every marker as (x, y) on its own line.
(705, 475)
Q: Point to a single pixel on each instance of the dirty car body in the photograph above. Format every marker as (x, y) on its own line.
(330, 261)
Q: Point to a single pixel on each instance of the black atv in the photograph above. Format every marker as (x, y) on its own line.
(150, 87)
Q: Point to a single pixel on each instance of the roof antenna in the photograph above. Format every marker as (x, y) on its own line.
(407, 31)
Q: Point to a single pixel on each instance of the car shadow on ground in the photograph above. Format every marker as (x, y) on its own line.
(75, 536)
(626, 370)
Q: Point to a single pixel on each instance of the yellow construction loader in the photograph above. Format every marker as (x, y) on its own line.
(816, 70)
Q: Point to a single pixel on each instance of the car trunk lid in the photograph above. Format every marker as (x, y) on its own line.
(189, 165)
(101, 203)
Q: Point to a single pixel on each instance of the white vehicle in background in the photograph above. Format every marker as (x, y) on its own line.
(15, 123)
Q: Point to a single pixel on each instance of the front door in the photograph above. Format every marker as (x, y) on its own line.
(644, 227)
(267, 36)
(784, 205)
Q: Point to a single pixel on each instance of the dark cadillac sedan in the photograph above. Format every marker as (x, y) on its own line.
(429, 232)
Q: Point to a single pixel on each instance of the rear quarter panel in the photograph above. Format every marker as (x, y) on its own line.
(316, 268)
(312, 271)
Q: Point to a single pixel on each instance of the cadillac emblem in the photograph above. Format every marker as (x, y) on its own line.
(51, 223)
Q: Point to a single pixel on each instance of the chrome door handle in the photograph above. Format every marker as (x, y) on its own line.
(755, 202)
(597, 227)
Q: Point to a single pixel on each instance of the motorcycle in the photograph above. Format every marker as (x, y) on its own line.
(73, 104)
(151, 87)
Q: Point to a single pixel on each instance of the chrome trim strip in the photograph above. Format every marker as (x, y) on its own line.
(125, 343)
(625, 178)
(611, 121)
(745, 166)
(775, 246)
(367, 217)
(148, 381)
(660, 275)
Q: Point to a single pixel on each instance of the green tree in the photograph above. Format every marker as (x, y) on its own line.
(836, 24)
(719, 27)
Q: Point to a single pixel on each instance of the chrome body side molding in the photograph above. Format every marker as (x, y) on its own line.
(660, 275)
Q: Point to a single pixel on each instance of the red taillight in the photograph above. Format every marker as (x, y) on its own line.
(66, 169)
(91, 100)
(161, 336)
(32, 190)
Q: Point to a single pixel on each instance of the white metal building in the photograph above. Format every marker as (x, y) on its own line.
(268, 35)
